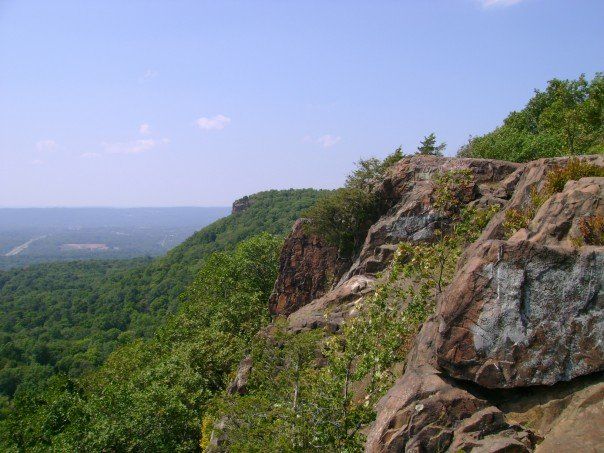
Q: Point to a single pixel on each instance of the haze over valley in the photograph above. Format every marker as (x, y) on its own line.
(37, 235)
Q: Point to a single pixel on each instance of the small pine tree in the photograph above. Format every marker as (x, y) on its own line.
(428, 147)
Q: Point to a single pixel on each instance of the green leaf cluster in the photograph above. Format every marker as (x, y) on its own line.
(567, 118)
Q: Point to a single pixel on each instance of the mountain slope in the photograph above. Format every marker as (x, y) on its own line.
(67, 317)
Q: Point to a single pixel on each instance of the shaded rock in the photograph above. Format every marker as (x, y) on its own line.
(239, 383)
(566, 415)
(331, 310)
(307, 269)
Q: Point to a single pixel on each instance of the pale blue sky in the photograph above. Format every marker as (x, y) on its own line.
(168, 103)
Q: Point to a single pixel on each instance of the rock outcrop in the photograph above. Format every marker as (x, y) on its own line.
(409, 190)
(241, 204)
(307, 269)
(514, 353)
(427, 411)
(520, 313)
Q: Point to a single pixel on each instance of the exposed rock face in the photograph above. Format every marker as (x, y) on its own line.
(521, 314)
(556, 222)
(331, 310)
(518, 188)
(426, 411)
(409, 189)
(566, 415)
(529, 311)
(241, 205)
(307, 269)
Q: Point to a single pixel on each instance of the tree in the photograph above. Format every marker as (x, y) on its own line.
(428, 147)
(567, 118)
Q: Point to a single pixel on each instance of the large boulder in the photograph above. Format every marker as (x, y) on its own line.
(426, 411)
(521, 314)
(530, 310)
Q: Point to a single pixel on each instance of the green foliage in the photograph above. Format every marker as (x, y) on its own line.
(68, 317)
(591, 231)
(565, 119)
(573, 170)
(369, 172)
(343, 217)
(150, 395)
(428, 147)
(453, 188)
(555, 180)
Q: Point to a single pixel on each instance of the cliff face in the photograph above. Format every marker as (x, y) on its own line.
(514, 354)
(307, 269)
(241, 205)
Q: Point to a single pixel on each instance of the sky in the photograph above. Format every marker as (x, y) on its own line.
(197, 103)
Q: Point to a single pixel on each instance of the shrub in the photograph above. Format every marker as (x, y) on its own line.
(591, 231)
(516, 219)
(573, 170)
(452, 190)
(343, 217)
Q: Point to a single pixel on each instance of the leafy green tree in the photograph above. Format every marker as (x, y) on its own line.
(567, 118)
(343, 217)
(428, 147)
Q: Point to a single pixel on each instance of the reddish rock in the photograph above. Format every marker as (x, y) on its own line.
(519, 187)
(557, 221)
(241, 205)
(408, 190)
(521, 314)
(425, 411)
(307, 269)
(530, 310)
(331, 310)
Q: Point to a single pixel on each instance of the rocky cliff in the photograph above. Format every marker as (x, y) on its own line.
(512, 358)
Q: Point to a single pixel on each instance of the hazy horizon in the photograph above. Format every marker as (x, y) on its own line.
(197, 103)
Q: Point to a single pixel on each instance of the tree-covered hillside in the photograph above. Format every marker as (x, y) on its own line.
(150, 394)
(68, 317)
